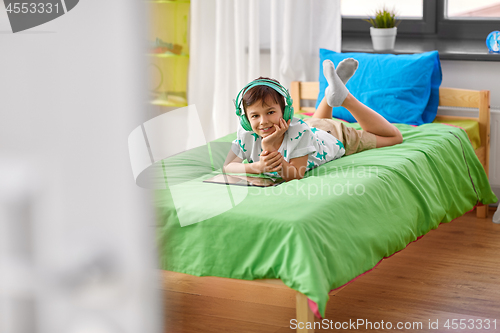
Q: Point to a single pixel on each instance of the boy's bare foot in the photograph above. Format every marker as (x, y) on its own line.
(336, 92)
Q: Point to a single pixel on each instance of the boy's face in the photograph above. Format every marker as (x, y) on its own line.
(263, 116)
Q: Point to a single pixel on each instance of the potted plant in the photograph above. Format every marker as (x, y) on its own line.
(384, 29)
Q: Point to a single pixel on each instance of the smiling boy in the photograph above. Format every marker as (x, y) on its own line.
(290, 148)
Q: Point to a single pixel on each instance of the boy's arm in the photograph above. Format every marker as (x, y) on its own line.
(235, 166)
(294, 169)
(269, 162)
(273, 142)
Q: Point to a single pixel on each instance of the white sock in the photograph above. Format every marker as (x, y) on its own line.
(336, 92)
(346, 68)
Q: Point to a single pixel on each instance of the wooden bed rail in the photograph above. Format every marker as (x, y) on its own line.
(270, 292)
(451, 97)
(303, 90)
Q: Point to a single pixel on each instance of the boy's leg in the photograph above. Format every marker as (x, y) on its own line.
(323, 111)
(336, 94)
(370, 121)
(345, 70)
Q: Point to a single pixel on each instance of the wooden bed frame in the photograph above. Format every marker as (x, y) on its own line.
(309, 91)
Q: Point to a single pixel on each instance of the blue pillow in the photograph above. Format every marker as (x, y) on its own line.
(402, 88)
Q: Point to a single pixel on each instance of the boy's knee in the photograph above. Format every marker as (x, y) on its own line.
(385, 141)
(399, 138)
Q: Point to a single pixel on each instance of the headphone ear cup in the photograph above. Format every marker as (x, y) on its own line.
(245, 123)
(288, 112)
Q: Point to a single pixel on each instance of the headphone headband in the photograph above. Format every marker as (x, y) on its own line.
(287, 112)
(260, 82)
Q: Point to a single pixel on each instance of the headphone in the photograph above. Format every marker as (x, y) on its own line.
(287, 113)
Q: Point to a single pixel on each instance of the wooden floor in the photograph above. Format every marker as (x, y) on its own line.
(451, 273)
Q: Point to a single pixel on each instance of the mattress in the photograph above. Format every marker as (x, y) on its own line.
(318, 233)
(471, 127)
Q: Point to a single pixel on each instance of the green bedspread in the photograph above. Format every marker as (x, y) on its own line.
(320, 232)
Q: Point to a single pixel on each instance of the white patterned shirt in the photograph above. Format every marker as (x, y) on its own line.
(299, 140)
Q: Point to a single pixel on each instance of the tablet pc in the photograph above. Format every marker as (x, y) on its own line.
(244, 180)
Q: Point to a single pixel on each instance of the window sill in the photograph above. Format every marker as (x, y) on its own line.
(449, 49)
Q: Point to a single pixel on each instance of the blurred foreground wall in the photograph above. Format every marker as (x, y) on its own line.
(76, 233)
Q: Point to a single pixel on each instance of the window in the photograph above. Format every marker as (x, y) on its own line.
(464, 19)
(466, 9)
(467, 19)
(419, 16)
(357, 8)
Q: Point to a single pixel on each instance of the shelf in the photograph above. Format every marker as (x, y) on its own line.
(166, 103)
(169, 1)
(170, 99)
(168, 55)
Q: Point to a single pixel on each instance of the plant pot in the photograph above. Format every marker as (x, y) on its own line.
(383, 39)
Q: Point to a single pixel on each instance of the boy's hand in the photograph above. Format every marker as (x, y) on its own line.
(273, 141)
(270, 162)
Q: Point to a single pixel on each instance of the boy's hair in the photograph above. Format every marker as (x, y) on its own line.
(261, 93)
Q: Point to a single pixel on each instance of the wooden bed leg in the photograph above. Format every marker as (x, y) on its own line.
(304, 314)
(484, 130)
(482, 211)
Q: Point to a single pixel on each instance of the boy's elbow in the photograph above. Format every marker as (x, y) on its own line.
(226, 167)
(289, 177)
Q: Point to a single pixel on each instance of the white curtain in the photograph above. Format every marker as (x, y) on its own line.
(235, 41)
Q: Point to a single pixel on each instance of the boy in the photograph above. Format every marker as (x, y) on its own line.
(290, 148)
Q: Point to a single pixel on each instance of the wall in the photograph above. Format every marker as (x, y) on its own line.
(476, 75)
(72, 91)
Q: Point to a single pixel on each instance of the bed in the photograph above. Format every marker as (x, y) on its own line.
(319, 241)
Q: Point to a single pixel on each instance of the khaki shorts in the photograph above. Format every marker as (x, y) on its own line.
(354, 141)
